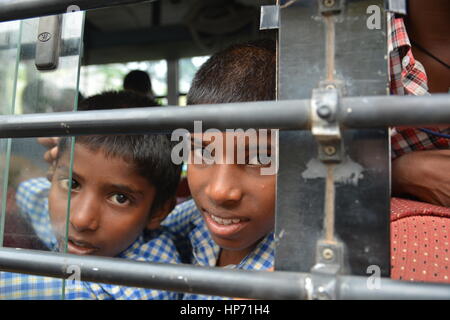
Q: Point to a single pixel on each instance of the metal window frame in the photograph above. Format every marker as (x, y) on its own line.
(24, 9)
(357, 112)
(217, 281)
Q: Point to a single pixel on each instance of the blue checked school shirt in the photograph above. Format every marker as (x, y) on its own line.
(186, 222)
(152, 246)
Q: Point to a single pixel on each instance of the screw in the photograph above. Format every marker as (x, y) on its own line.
(324, 111)
(329, 150)
(329, 3)
(327, 254)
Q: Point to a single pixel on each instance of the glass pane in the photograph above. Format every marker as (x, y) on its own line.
(188, 68)
(26, 213)
(9, 54)
(98, 78)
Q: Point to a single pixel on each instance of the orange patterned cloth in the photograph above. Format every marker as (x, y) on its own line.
(420, 241)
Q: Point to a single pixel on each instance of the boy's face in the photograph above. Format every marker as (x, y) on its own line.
(110, 203)
(236, 201)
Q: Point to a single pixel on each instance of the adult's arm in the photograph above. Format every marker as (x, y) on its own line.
(424, 175)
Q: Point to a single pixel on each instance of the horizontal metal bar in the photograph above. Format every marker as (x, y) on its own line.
(357, 112)
(383, 111)
(157, 119)
(24, 9)
(178, 278)
(356, 288)
(203, 280)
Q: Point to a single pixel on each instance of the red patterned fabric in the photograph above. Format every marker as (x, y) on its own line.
(410, 139)
(408, 77)
(420, 241)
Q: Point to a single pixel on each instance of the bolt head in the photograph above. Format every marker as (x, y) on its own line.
(329, 3)
(324, 111)
(329, 150)
(327, 254)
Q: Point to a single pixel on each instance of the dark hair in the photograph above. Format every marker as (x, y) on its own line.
(242, 72)
(116, 100)
(138, 81)
(150, 154)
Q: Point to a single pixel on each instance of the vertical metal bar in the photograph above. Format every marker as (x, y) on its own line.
(329, 204)
(172, 81)
(330, 46)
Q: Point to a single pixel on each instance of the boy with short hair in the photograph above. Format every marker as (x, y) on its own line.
(229, 223)
(121, 188)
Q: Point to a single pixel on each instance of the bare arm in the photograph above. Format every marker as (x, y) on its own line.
(424, 175)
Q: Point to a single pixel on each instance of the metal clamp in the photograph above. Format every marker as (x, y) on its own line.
(325, 126)
(329, 263)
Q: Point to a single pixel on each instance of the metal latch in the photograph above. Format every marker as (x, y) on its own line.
(47, 42)
(270, 17)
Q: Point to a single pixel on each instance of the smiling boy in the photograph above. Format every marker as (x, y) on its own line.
(229, 223)
(121, 188)
(236, 202)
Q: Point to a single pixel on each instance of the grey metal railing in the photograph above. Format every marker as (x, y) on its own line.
(357, 112)
(353, 113)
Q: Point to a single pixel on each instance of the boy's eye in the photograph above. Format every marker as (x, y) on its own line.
(120, 198)
(64, 184)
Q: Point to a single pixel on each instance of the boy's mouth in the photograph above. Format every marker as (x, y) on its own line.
(224, 226)
(80, 247)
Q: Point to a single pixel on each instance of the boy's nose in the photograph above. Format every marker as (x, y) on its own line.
(84, 213)
(224, 187)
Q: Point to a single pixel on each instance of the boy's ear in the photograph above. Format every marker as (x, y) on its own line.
(161, 213)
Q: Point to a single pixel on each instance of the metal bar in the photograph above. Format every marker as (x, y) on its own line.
(160, 119)
(172, 277)
(360, 112)
(205, 280)
(380, 111)
(356, 288)
(24, 9)
(173, 78)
